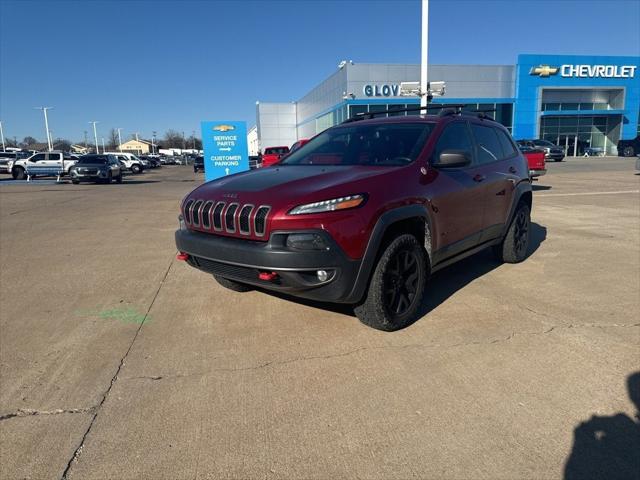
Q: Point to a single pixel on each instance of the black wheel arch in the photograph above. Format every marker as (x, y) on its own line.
(412, 219)
(523, 194)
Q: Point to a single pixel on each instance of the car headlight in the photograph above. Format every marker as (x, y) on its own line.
(341, 203)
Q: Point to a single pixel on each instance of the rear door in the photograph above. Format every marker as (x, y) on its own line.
(496, 155)
(457, 195)
(54, 159)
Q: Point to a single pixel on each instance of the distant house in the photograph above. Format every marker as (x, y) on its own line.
(137, 147)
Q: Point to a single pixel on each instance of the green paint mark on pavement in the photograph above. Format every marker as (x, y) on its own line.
(124, 315)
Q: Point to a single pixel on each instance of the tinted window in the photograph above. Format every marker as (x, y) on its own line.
(488, 145)
(93, 159)
(454, 137)
(373, 144)
(507, 146)
(38, 158)
(542, 143)
(54, 156)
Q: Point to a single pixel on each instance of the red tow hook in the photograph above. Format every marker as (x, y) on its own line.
(268, 276)
(182, 256)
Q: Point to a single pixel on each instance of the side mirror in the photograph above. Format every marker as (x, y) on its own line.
(453, 159)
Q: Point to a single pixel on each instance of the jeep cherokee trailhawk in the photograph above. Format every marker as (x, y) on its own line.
(365, 212)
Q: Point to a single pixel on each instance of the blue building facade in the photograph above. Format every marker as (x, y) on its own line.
(578, 102)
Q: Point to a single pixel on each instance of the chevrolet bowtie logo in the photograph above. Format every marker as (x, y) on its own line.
(223, 128)
(544, 70)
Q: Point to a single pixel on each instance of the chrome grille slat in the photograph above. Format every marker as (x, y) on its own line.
(206, 215)
(187, 211)
(244, 219)
(260, 220)
(217, 216)
(195, 213)
(230, 218)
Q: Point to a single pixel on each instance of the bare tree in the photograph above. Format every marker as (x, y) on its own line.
(172, 139)
(28, 141)
(113, 139)
(194, 142)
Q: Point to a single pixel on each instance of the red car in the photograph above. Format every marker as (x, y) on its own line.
(535, 159)
(298, 144)
(365, 213)
(272, 155)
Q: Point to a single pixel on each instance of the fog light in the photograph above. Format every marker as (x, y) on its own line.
(183, 226)
(306, 241)
(322, 275)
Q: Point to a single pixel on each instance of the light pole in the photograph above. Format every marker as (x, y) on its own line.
(2, 135)
(424, 85)
(95, 135)
(46, 124)
(137, 137)
(119, 140)
(153, 142)
(103, 149)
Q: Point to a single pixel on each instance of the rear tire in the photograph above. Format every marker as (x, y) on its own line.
(397, 286)
(232, 284)
(18, 173)
(135, 168)
(515, 246)
(628, 151)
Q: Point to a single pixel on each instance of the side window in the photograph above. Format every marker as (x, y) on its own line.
(454, 137)
(488, 145)
(38, 158)
(507, 144)
(54, 156)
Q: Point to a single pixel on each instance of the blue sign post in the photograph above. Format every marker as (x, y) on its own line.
(225, 149)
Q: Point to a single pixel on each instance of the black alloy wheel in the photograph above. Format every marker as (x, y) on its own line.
(521, 233)
(401, 282)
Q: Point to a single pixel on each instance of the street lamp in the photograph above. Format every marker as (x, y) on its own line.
(95, 135)
(2, 135)
(46, 124)
(424, 53)
(119, 140)
(103, 149)
(153, 142)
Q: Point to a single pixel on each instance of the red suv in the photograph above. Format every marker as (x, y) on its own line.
(365, 212)
(272, 155)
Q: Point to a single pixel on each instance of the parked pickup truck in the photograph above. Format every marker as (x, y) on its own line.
(272, 155)
(629, 148)
(129, 161)
(535, 159)
(364, 213)
(41, 159)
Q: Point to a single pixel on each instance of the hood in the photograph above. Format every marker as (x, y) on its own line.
(295, 184)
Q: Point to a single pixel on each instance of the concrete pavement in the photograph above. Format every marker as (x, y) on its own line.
(116, 361)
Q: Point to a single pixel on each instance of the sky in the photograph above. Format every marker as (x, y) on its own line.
(154, 65)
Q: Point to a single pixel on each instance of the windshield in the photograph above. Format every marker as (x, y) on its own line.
(386, 144)
(92, 160)
(275, 151)
(543, 143)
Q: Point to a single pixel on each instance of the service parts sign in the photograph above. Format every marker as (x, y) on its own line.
(225, 149)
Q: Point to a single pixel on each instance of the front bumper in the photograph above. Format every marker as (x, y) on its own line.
(244, 260)
(554, 156)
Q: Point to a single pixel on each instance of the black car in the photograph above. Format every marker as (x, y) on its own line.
(551, 151)
(154, 162)
(198, 164)
(629, 148)
(96, 168)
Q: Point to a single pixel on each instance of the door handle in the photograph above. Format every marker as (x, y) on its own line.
(512, 169)
(479, 178)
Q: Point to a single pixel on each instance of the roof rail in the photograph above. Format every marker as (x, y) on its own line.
(369, 115)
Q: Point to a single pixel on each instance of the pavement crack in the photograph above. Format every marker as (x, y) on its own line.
(105, 395)
(29, 412)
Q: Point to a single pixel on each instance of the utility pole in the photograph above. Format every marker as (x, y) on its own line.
(46, 124)
(2, 135)
(193, 137)
(95, 135)
(424, 84)
(184, 144)
(119, 140)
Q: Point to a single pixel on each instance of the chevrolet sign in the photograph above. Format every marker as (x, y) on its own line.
(587, 71)
(223, 128)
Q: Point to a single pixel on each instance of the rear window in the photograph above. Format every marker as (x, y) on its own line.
(93, 160)
(385, 144)
(276, 151)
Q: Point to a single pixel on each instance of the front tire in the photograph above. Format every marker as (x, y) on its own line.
(135, 168)
(397, 286)
(232, 285)
(515, 246)
(18, 173)
(628, 151)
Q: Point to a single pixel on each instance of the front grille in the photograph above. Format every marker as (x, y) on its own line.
(224, 269)
(233, 218)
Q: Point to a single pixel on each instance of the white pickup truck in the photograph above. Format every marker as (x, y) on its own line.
(130, 161)
(54, 159)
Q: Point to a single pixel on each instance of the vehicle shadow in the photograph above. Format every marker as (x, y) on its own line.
(536, 188)
(608, 447)
(442, 285)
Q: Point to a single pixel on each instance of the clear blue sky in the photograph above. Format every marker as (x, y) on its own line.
(155, 65)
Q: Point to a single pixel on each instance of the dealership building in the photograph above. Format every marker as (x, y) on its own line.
(578, 102)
